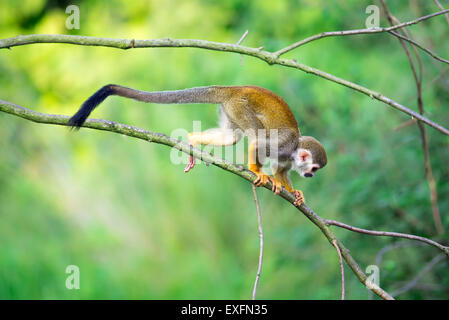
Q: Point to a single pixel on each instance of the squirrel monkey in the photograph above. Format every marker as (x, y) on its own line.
(242, 109)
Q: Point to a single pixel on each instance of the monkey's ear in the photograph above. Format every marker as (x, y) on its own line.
(304, 155)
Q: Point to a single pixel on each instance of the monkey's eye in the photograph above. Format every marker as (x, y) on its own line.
(314, 169)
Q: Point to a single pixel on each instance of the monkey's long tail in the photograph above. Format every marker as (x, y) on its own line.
(212, 94)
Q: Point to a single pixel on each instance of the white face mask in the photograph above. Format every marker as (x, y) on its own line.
(303, 163)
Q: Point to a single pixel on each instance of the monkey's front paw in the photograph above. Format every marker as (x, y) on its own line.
(262, 179)
(299, 198)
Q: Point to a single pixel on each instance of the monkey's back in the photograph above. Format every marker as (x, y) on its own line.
(252, 107)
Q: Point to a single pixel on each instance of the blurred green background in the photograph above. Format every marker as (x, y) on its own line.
(139, 228)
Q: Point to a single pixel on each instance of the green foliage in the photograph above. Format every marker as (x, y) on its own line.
(138, 227)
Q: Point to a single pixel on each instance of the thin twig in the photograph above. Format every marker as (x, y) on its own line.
(428, 286)
(354, 32)
(388, 234)
(427, 268)
(259, 223)
(390, 247)
(396, 245)
(342, 270)
(240, 42)
(266, 56)
(242, 38)
(405, 124)
(207, 157)
(431, 53)
(438, 77)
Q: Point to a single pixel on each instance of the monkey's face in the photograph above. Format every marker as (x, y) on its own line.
(303, 163)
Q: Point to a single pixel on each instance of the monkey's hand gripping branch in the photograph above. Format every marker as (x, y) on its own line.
(276, 186)
(262, 180)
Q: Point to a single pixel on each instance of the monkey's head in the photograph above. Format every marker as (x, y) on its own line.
(309, 157)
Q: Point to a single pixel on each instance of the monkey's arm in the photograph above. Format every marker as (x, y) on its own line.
(255, 166)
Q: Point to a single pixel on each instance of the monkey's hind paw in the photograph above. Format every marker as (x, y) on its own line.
(299, 198)
(262, 179)
(190, 165)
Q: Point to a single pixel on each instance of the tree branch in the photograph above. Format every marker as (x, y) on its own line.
(259, 224)
(207, 157)
(242, 38)
(269, 57)
(342, 270)
(388, 234)
(428, 51)
(354, 32)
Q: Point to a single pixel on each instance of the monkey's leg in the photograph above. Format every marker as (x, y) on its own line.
(255, 166)
(280, 180)
(215, 137)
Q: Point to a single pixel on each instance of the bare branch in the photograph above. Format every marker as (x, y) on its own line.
(266, 56)
(431, 53)
(427, 268)
(438, 77)
(405, 124)
(342, 270)
(388, 234)
(207, 157)
(354, 32)
(395, 245)
(242, 38)
(259, 223)
(239, 42)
